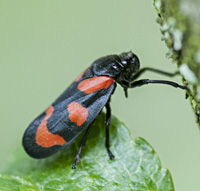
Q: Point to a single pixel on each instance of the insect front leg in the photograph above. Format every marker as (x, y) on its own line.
(147, 81)
(83, 142)
(108, 119)
(143, 70)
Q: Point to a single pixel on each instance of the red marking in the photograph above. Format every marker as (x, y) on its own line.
(77, 113)
(96, 83)
(79, 77)
(44, 137)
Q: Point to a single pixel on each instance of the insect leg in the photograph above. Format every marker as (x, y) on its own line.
(154, 70)
(83, 142)
(108, 119)
(126, 92)
(147, 81)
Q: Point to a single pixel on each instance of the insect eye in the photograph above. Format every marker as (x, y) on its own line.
(124, 62)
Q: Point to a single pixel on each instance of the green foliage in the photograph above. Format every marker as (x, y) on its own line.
(136, 166)
(180, 27)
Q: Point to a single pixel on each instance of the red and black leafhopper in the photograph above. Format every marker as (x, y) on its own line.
(78, 106)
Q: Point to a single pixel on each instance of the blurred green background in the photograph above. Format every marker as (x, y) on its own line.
(45, 45)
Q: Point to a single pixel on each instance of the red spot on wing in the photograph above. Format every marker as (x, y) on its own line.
(96, 83)
(77, 113)
(79, 77)
(44, 137)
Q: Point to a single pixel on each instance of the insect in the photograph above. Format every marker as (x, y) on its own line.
(78, 106)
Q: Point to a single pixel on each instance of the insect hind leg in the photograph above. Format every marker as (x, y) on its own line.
(83, 142)
(108, 119)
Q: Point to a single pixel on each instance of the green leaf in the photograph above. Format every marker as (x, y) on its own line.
(136, 166)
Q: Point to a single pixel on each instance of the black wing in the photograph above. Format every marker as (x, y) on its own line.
(69, 115)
